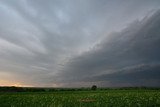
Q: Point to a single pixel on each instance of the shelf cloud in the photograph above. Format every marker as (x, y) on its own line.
(129, 57)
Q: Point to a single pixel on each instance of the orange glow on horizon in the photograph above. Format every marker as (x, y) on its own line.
(16, 84)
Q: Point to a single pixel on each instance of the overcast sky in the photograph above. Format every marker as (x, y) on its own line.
(78, 43)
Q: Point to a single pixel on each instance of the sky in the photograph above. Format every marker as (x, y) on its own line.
(78, 43)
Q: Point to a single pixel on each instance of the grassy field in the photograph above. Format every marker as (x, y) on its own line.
(107, 98)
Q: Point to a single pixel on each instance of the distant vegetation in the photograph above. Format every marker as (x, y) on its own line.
(94, 87)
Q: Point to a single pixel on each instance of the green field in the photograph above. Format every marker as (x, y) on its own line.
(106, 98)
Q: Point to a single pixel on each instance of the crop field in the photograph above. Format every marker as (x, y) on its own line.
(106, 98)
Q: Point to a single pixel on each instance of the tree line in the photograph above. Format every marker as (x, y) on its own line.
(93, 88)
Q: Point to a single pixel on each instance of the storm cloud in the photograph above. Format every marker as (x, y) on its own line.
(129, 57)
(78, 42)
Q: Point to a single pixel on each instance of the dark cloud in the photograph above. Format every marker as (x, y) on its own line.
(140, 75)
(136, 45)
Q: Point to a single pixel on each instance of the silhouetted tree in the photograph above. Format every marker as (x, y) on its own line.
(94, 87)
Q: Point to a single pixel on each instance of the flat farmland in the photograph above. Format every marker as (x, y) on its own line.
(105, 98)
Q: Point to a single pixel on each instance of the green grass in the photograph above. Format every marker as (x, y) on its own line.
(107, 98)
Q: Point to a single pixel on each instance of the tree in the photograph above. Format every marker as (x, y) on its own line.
(94, 87)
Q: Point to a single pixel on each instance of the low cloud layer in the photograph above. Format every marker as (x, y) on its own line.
(127, 58)
(76, 42)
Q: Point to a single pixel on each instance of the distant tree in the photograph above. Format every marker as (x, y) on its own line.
(94, 87)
